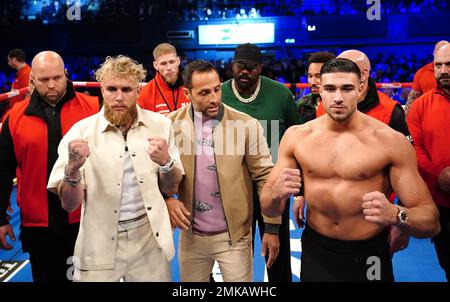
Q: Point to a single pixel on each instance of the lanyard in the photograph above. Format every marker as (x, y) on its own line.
(175, 101)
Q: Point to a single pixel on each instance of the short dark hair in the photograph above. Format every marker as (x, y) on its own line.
(17, 53)
(321, 57)
(196, 66)
(340, 65)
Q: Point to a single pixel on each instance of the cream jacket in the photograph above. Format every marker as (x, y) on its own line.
(242, 156)
(102, 176)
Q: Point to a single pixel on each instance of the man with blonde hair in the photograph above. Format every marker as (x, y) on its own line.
(164, 93)
(116, 164)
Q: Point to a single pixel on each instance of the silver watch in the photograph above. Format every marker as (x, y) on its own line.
(402, 217)
(167, 167)
(71, 181)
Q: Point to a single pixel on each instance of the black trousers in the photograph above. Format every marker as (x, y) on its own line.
(326, 259)
(49, 252)
(281, 268)
(442, 241)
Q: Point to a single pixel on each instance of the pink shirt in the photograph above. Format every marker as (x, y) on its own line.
(209, 217)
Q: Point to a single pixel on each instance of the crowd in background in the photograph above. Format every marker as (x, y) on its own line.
(289, 69)
(54, 11)
(386, 68)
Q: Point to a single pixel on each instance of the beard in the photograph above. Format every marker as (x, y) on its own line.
(444, 81)
(245, 86)
(120, 118)
(314, 86)
(170, 79)
(54, 97)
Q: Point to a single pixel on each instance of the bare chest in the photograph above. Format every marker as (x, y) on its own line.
(347, 157)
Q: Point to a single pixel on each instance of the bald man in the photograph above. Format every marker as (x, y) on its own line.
(430, 128)
(28, 141)
(423, 79)
(378, 105)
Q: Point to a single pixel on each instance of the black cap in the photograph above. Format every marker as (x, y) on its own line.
(247, 53)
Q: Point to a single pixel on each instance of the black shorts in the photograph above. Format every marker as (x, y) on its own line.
(326, 259)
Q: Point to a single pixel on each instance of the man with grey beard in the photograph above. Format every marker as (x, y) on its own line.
(423, 79)
(428, 121)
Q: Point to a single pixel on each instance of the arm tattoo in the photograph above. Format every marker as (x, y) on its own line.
(74, 156)
(168, 183)
(412, 96)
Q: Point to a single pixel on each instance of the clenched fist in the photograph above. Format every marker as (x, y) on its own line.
(78, 153)
(377, 209)
(158, 150)
(287, 183)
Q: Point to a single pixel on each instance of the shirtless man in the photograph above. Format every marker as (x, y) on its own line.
(349, 162)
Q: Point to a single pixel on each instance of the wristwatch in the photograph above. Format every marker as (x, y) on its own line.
(402, 217)
(71, 181)
(167, 167)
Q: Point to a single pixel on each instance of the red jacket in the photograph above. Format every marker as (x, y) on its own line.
(29, 136)
(21, 81)
(157, 96)
(382, 111)
(424, 79)
(429, 123)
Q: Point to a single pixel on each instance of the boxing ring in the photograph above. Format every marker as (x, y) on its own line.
(379, 85)
(417, 263)
(23, 91)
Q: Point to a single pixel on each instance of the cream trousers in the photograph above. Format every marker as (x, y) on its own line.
(197, 253)
(138, 258)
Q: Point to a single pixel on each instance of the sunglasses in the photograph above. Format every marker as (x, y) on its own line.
(247, 66)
